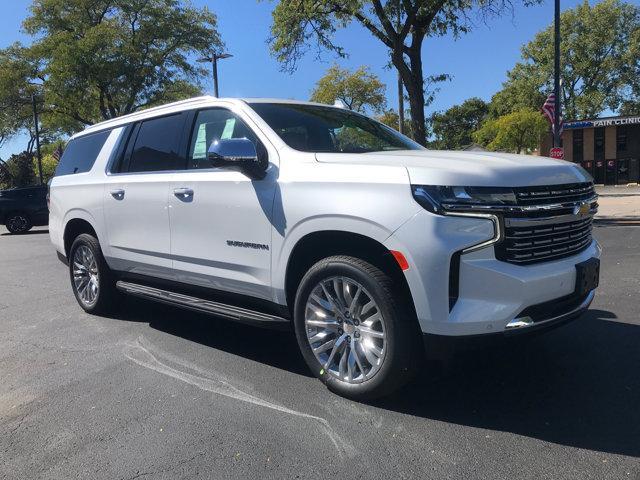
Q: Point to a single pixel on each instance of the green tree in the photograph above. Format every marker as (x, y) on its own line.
(18, 171)
(360, 90)
(453, 128)
(599, 63)
(17, 70)
(518, 132)
(98, 59)
(391, 119)
(401, 25)
(631, 103)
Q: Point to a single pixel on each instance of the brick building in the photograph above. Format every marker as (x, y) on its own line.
(608, 148)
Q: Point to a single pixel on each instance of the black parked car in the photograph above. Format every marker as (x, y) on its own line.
(23, 208)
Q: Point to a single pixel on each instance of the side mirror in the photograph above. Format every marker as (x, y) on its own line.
(237, 153)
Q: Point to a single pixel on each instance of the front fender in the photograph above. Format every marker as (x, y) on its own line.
(320, 223)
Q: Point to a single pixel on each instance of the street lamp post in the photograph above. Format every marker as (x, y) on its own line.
(214, 65)
(556, 80)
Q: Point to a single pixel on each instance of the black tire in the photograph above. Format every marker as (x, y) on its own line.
(402, 343)
(18, 222)
(105, 299)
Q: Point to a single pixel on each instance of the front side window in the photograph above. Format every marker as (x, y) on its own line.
(313, 128)
(81, 153)
(215, 124)
(157, 145)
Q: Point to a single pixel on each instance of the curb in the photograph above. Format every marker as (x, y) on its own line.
(617, 221)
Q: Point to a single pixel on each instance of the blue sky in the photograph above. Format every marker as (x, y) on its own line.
(477, 61)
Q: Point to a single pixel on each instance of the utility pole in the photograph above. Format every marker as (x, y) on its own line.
(214, 66)
(556, 80)
(37, 132)
(400, 85)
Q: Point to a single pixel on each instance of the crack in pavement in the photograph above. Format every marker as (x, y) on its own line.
(139, 354)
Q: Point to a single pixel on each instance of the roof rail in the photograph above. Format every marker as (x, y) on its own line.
(150, 110)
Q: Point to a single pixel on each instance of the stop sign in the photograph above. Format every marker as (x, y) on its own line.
(557, 152)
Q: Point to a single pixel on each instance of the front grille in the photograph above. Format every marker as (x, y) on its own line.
(554, 194)
(546, 225)
(544, 241)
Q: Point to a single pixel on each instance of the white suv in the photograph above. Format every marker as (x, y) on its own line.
(301, 215)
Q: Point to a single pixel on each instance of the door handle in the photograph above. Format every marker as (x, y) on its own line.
(118, 194)
(183, 193)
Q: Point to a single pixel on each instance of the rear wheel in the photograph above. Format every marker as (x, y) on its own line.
(92, 281)
(353, 331)
(18, 222)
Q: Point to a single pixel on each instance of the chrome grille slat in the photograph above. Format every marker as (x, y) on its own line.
(553, 242)
(554, 194)
(538, 234)
(529, 258)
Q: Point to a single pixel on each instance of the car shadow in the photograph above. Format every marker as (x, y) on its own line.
(272, 347)
(30, 232)
(578, 385)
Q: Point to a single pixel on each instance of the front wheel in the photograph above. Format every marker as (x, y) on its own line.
(353, 329)
(91, 279)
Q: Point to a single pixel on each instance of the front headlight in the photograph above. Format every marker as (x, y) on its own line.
(443, 199)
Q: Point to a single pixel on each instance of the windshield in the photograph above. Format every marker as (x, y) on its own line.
(313, 128)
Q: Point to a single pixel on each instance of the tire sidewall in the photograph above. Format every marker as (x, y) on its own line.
(322, 271)
(91, 243)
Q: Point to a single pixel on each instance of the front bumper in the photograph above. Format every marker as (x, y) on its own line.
(491, 294)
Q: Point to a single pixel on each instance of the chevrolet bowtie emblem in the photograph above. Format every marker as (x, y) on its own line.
(582, 209)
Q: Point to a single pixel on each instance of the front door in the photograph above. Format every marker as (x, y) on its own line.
(220, 218)
(136, 198)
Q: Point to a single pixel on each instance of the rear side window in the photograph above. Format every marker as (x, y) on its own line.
(157, 145)
(81, 153)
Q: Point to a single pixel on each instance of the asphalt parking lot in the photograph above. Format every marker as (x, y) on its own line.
(157, 392)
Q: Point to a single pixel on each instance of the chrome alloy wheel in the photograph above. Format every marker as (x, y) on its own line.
(85, 275)
(345, 329)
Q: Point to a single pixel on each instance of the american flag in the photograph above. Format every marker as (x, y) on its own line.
(57, 153)
(549, 110)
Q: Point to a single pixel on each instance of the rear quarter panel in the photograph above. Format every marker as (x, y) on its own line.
(81, 196)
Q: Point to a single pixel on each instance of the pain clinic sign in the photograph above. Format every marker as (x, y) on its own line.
(604, 122)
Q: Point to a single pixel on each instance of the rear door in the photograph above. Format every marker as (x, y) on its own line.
(136, 197)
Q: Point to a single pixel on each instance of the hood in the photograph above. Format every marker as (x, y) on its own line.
(478, 169)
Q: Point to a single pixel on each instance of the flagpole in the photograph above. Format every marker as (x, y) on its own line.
(556, 80)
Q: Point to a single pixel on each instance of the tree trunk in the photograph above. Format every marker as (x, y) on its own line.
(412, 77)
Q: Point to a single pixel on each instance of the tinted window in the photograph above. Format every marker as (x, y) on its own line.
(81, 153)
(313, 128)
(215, 124)
(157, 144)
(578, 145)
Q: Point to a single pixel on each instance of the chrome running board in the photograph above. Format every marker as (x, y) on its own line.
(230, 312)
(525, 322)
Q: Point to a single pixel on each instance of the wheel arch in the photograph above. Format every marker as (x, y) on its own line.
(74, 227)
(317, 245)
